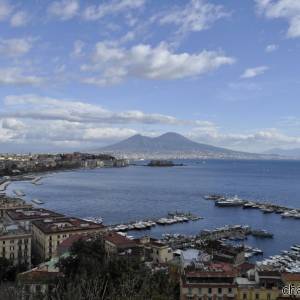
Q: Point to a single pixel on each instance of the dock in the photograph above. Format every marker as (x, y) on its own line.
(265, 207)
(170, 219)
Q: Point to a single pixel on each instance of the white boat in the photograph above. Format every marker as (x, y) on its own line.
(37, 201)
(19, 193)
(36, 180)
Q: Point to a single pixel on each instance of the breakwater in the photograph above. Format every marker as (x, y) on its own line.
(264, 207)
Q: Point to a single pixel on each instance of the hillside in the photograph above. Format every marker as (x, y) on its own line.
(172, 145)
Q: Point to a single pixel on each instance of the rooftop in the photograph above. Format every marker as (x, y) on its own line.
(65, 224)
(212, 270)
(32, 214)
(8, 230)
(12, 201)
(290, 276)
(119, 240)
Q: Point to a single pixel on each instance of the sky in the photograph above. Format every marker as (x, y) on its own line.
(79, 75)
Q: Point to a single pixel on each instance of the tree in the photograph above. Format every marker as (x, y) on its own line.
(92, 275)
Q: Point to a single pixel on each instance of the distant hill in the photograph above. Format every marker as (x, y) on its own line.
(292, 153)
(172, 145)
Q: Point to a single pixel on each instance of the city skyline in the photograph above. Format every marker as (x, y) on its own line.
(85, 74)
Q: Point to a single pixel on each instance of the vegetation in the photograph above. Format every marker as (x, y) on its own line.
(90, 274)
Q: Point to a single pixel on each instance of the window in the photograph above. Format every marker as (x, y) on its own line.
(12, 241)
(209, 290)
(245, 296)
(229, 290)
(219, 290)
(256, 296)
(190, 291)
(268, 297)
(199, 291)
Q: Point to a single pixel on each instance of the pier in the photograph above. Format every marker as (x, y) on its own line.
(170, 219)
(264, 207)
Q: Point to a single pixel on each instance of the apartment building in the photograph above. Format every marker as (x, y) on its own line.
(49, 233)
(25, 216)
(116, 243)
(156, 251)
(8, 203)
(15, 244)
(215, 281)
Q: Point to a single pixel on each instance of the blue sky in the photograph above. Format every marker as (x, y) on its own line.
(83, 74)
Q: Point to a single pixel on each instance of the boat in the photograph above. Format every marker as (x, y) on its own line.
(19, 193)
(97, 220)
(36, 180)
(262, 234)
(214, 197)
(267, 210)
(37, 201)
(249, 205)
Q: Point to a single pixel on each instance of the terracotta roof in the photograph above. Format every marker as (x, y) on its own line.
(32, 214)
(65, 224)
(290, 276)
(119, 240)
(212, 270)
(66, 244)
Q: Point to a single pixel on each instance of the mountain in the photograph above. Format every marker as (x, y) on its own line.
(171, 145)
(288, 153)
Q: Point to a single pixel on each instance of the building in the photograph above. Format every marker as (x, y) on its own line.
(38, 284)
(156, 251)
(15, 244)
(49, 233)
(260, 284)
(24, 217)
(290, 280)
(8, 203)
(215, 281)
(116, 243)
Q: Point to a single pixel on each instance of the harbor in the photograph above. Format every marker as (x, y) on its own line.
(171, 218)
(287, 261)
(265, 208)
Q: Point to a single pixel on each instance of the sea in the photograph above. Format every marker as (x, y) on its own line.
(140, 192)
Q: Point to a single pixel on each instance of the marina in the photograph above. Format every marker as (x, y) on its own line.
(287, 261)
(265, 208)
(133, 194)
(172, 218)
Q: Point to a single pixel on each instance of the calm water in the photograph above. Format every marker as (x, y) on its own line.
(138, 192)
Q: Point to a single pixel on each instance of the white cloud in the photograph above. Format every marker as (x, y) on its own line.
(112, 7)
(256, 141)
(19, 19)
(15, 47)
(78, 48)
(197, 15)
(12, 124)
(271, 48)
(284, 9)
(253, 72)
(143, 61)
(47, 108)
(5, 10)
(15, 76)
(64, 9)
